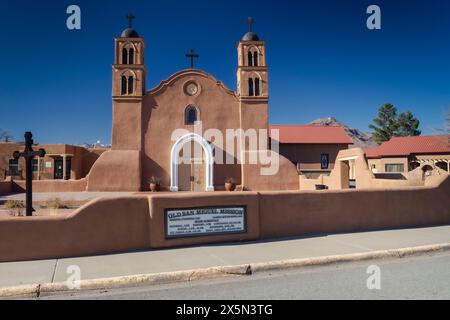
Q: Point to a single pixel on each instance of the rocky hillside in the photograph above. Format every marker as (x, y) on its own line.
(360, 139)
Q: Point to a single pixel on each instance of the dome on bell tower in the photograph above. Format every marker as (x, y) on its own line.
(129, 33)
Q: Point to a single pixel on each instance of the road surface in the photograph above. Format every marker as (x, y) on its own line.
(424, 277)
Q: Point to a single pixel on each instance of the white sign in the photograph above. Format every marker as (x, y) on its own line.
(195, 222)
(48, 164)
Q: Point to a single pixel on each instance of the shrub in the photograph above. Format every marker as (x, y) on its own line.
(56, 203)
(15, 207)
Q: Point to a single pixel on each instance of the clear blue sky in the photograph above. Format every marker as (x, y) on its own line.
(323, 60)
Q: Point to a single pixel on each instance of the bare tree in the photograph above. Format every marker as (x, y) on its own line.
(5, 136)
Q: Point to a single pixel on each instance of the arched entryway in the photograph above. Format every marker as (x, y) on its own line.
(176, 164)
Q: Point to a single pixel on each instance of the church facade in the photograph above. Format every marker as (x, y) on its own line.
(173, 131)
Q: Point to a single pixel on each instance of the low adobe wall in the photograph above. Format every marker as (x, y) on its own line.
(305, 213)
(5, 187)
(131, 223)
(41, 186)
(100, 227)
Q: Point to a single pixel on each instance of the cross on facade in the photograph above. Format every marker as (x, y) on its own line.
(250, 22)
(130, 17)
(29, 154)
(192, 55)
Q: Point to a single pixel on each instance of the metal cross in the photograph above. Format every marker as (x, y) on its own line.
(250, 22)
(130, 17)
(29, 154)
(192, 55)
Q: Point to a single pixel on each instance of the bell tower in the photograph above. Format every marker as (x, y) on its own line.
(128, 89)
(252, 81)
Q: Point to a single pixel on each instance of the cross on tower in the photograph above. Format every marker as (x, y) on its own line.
(192, 55)
(29, 154)
(250, 22)
(130, 17)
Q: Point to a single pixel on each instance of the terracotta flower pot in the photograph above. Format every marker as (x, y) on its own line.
(230, 187)
(154, 187)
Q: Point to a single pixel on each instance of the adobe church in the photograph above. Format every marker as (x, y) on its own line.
(178, 132)
(144, 122)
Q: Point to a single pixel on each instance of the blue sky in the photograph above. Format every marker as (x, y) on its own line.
(323, 60)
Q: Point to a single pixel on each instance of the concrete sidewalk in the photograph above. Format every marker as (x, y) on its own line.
(52, 271)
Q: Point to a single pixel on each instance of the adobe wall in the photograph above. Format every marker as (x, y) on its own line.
(41, 186)
(308, 155)
(116, 171)
(365, 178)
(158, 204)
(306, 213)
(132, 223)
(100, 227)
(285, 179)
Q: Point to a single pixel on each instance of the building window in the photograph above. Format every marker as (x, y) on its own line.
(124, 56)
(324, 161)
(257, 87)
(395, 168)
(131, 56)
(35, 165)
(251, 89)
(255, 59)
(130, 85)
(123, 85)
(127, 85)
(13, 167)
(250, 59)
(190, 115)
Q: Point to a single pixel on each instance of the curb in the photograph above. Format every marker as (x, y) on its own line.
(36, 290)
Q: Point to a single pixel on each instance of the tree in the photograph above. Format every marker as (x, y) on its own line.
(385, 124)
(5, 136)
(407, 125)
(389, 124)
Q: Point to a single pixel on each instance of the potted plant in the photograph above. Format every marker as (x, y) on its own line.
(155, 184)
(230, 184)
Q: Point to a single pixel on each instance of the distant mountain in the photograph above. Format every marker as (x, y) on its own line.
(360, 139)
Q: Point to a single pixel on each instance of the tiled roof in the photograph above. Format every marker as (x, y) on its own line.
(312, 134)
(405, 146)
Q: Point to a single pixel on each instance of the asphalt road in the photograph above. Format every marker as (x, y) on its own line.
(424, 277)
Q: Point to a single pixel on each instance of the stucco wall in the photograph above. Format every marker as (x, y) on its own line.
(164, 112)
(308, 155)
(52, 185)
(116, 171)
(130, 223)
(102, 226)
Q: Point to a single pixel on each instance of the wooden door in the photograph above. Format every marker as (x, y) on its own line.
(198, 176)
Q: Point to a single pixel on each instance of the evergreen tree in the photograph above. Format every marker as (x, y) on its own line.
(407, 125)
(389, 124)
(385, 124)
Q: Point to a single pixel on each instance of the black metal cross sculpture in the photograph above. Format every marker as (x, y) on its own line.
(29, 154)
(192, 55)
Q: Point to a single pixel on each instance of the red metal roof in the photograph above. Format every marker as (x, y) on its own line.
(405, 146)
(312, 134)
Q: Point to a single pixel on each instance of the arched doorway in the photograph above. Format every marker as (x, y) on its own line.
(195, 172)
